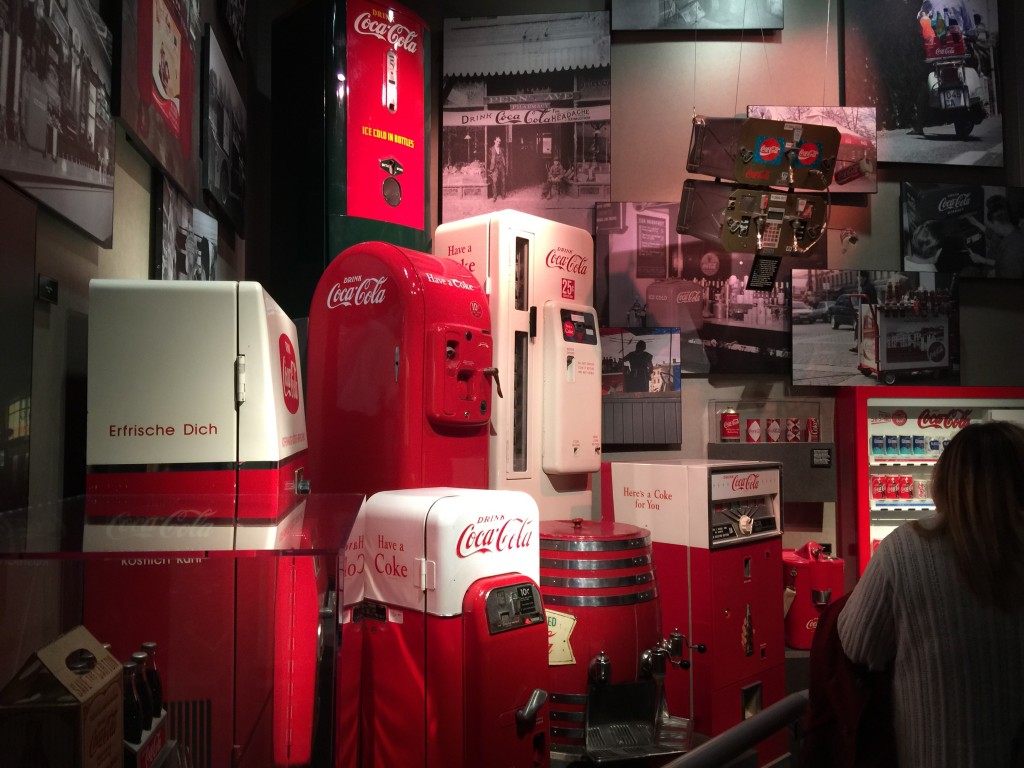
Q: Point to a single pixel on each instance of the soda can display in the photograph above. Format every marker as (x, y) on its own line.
(878, 486)
(813, 430)
(934, 447)
(773, 430)
(753, 430)
(729, 426)
(923, 492)
(892, 445)
(878, 445)
(906, 445)
(919, 446)
(892, 486)
(906, 489)
(792, 430)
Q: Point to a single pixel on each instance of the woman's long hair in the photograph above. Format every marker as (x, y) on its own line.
(978, 489)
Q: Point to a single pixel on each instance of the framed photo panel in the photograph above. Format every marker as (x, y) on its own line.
(184, 238)
(56, 130)
(223, 134)
(968, 230)
(158, 97)
(697, 14)
(931, 71)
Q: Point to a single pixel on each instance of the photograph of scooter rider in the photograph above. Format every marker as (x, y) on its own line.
(922, 68)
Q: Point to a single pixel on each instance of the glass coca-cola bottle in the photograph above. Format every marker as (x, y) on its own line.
(153, 678)
(145, 696)
(132, 706)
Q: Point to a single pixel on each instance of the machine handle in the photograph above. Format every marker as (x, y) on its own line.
(492, 371)
(526, 715)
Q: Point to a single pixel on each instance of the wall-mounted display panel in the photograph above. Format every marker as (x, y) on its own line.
(56, 131)
(697, 14)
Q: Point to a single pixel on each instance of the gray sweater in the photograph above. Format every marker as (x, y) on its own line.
(958, 666)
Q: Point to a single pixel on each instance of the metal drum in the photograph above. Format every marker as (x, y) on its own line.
(600, 595)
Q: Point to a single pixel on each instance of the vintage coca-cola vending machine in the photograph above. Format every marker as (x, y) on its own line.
(196, 449)
(538, 276)
(888, 440)
(716, 528)
(455, 671)
(399, 373)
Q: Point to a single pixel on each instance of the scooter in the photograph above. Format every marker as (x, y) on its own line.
(956, 94)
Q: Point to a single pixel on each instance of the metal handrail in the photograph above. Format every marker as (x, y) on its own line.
(734, 742)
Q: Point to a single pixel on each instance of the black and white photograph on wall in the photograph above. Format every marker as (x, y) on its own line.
(649, 275)
(157, 99)
(968, 230)
(526, 116)
(697, 14)
(639, 360)
(184, 238)
(931, 71)
(866, 328)
(233, 13)
(223, 135)
(56, 131)
(857, 161)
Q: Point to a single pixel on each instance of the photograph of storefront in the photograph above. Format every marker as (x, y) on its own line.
(526, 116)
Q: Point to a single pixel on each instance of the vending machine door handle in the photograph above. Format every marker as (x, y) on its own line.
(526, 715)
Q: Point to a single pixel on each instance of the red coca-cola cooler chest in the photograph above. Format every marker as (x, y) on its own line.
(812, 579)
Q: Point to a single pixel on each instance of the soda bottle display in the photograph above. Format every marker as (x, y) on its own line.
(132, 706)
(156, 687)
(142, 687)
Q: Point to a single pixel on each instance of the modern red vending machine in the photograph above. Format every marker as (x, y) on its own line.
(399, 373)
(196, 450)
(350, 136)
(717, 533)
(455, 675)
(887, 442)
(538, 277)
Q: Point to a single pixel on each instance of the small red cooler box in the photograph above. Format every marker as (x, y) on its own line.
(813, 579)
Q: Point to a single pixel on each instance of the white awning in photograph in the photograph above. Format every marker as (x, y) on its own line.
(512, 45)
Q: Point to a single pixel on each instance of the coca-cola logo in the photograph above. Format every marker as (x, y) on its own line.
(899, 417)
(690, 297)
(808, 153)
(369, 291)
(947, 50)
(746, 482)
(757, 175)
(391, 32)
(813, 624)
(954, 418)
(770, 150)
(570, 261)
(289, 374)
(494, 533)
(955, 203)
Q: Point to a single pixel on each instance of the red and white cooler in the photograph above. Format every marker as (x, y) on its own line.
(538, 277)
(455, 642)
(196, 442)
(816, 579)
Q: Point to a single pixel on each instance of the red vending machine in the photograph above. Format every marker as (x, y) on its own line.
(538, 278)
(455, 673)
(196, 450)
(398, 374)
(887, 442)
(717, 533)
(350, 136)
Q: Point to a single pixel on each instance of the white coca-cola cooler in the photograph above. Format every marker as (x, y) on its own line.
(399, 373)
(196, 449)
(454, 670)
(716, 528)
(538, 276)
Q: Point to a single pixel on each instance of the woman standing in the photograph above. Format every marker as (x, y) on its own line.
(941, 604)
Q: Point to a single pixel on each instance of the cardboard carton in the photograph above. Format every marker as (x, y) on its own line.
(63, 708)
